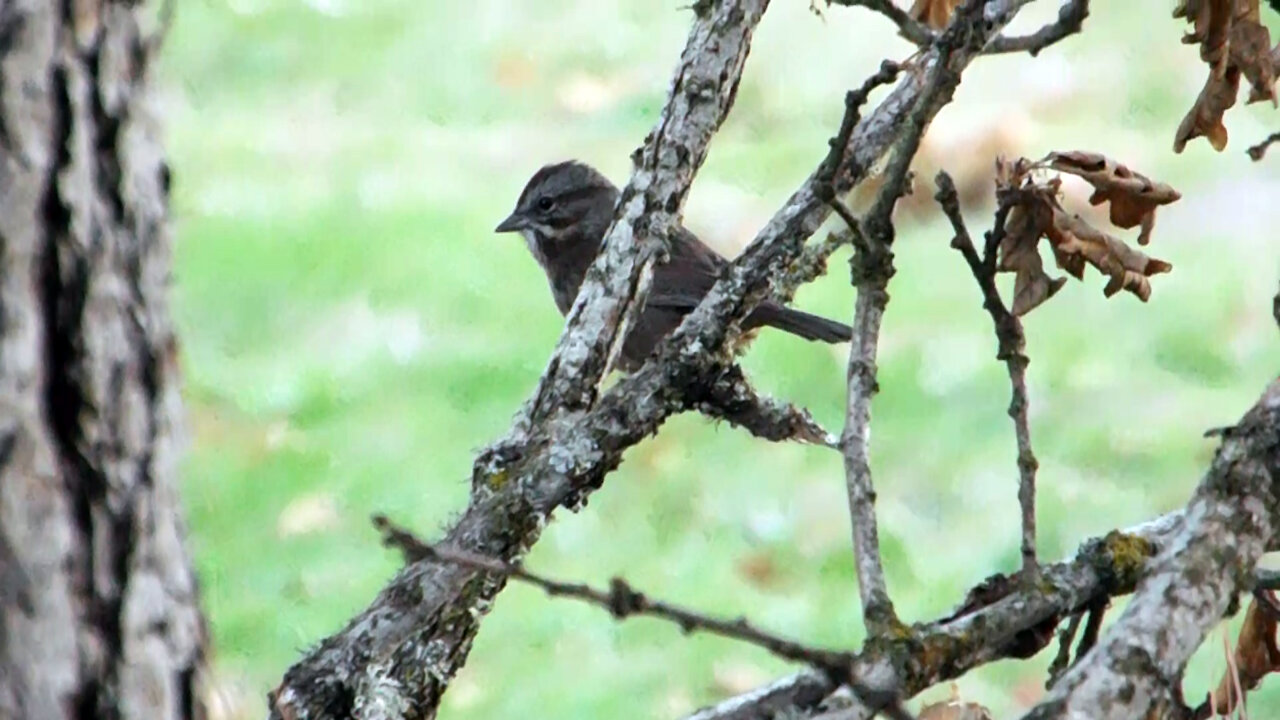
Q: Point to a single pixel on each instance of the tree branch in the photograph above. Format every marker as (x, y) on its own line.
(1011, 342)
(994, 625)
(872, 269)
(621, 600)
(703, 89)
(908, 27)
(415, 635)
(1259, 151)
(1062, 660)
(519, 480)
(1071, 17)
(1229, 523)
(729, 396)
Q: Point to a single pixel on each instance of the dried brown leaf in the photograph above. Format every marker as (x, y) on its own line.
(1076, 242)
(1020, 253)
(1134, 197)
(1256, 655)
(1205, 117)
(1027, 222)
(1234, 43)
(1251, 52)
(1211, 20)
(1036, 214)
(934, 13)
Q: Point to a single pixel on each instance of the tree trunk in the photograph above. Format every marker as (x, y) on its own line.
(99, 614)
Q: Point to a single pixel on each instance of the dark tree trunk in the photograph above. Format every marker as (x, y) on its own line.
(99, 615)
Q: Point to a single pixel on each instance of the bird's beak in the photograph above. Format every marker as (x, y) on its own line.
(514, 222)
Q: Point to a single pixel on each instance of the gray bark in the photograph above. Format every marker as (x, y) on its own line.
(398, 656)
(98, 606)
(1138, 663)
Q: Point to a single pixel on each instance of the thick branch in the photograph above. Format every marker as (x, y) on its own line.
(1070, 21)
(1012, 350)
(703, 90)
(1229, 523)
(993, 626)
(391, 642)
(417, 632)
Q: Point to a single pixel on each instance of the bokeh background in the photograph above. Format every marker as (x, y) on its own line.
(353, 331)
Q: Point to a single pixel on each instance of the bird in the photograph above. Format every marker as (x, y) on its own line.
(563, 214)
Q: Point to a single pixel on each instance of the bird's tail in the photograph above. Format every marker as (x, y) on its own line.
(800, 323)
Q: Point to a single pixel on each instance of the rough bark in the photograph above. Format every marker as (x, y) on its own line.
(99, 614)
(402, 651)
(399, 654)
(1000, 619)
(1138, 663)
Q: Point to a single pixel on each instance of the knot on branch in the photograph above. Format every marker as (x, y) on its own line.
(625, 601)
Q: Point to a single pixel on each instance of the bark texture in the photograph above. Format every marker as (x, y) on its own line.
(99, 614)
(1136, 669)
(397, 657)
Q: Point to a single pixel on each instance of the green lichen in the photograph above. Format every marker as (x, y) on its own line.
(496, 480)
(1121, 558)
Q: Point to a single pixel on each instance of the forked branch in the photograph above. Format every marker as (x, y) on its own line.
(622, 601)
(908, 27)
(1231, 521)
(1071, 17)
(872, 270)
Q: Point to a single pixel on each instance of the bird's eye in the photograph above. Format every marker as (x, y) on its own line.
(545, 203)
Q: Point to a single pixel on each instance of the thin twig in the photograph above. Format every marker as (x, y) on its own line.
(1011, 349)
(1070, 20)
(908, 27)
(1063, 659)
(1092, 627)
(728, 395)
(853, 102)
(1259, 151)
(623, 601)
(620, 599)
(872, 270)
(812, 263)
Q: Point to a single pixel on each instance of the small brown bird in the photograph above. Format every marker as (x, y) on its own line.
(563, 214)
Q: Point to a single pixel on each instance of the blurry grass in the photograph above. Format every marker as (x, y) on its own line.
(353, 333)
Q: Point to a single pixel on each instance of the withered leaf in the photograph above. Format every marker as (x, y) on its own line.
(1036, 213)
(1211, 20)
(1076, 242)
(1020, 253)
(1134, 197)
(1233, 42)
(1205, 117)
(1256, 655)
(1251, 52)
(934, 13)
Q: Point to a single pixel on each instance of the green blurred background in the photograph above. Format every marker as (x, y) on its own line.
(353, 331)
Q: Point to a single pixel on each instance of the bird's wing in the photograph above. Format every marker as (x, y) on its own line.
(690, 271)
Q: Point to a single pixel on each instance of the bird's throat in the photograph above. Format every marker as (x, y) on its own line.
(564, 258)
